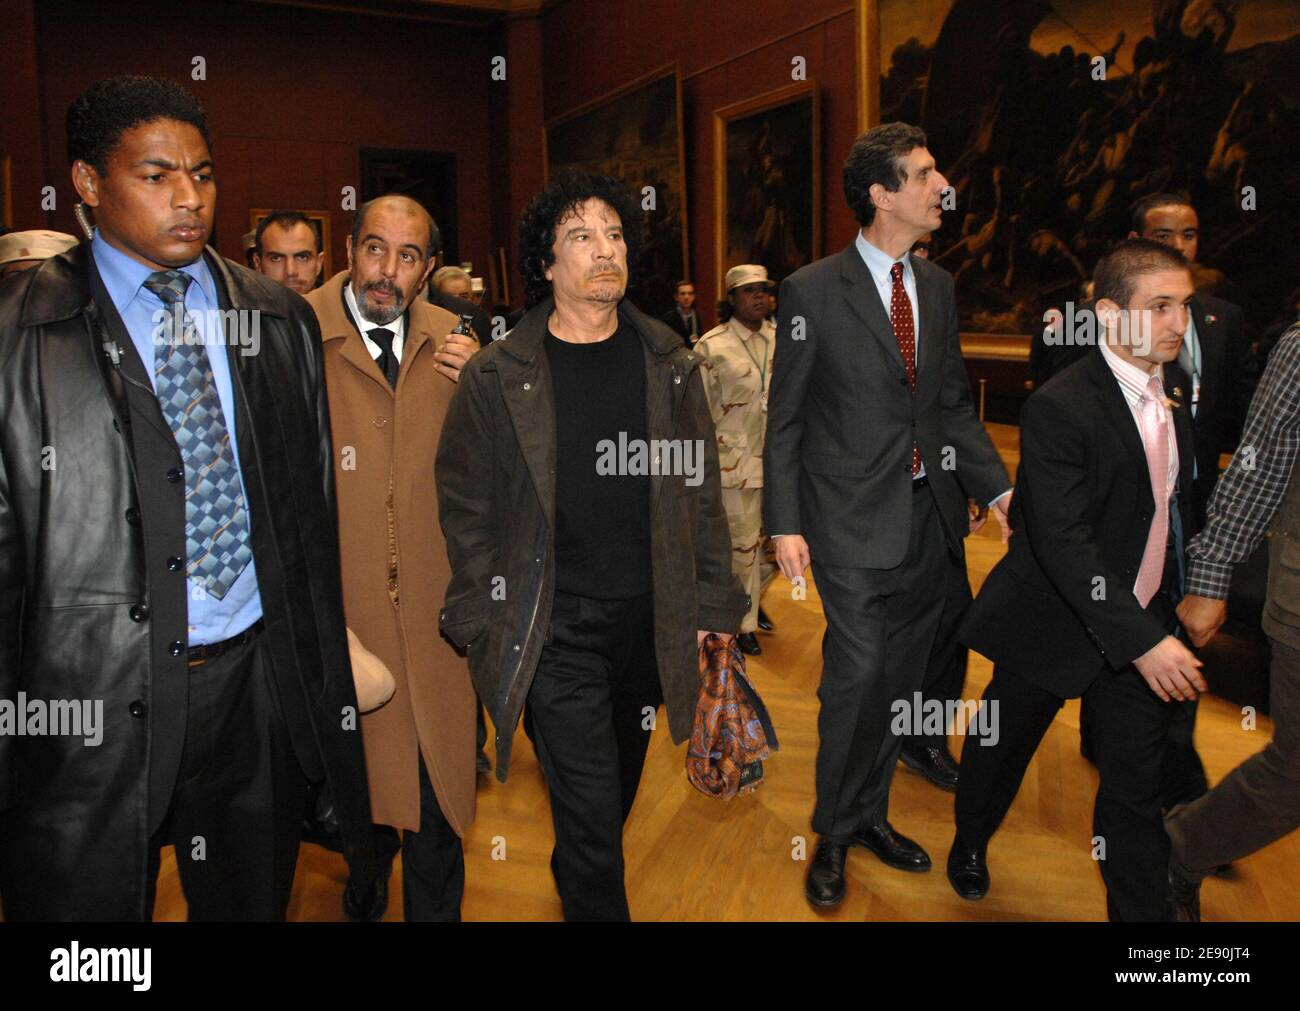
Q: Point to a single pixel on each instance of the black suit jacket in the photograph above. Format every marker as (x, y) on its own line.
(682, 327)
(837, 465)
(1229, 374)
(1059, 608)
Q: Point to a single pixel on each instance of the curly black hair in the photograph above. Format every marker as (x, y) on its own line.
(108, 108)
(566, 192)
(877, 157)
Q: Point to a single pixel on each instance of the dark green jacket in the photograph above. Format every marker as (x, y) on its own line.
(496, 501)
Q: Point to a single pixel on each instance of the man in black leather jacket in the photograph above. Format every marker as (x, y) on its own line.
(168, 550)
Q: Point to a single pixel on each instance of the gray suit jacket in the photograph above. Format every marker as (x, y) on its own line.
(837, 466)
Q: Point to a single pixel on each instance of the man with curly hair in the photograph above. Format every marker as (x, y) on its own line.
(579, 493)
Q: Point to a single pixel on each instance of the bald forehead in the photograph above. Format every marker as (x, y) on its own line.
(397, 218)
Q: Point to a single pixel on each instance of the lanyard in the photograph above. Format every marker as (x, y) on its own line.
(762, 368)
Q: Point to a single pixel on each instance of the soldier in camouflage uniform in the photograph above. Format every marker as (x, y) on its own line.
(737, 375)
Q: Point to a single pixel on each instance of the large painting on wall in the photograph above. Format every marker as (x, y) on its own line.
(1051, 118)
(768, 179)
(635, 134)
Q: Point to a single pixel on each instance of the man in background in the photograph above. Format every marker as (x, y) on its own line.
(21, 251)
(286, 248)
(682, 316)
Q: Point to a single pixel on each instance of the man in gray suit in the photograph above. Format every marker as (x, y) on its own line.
(873, 447)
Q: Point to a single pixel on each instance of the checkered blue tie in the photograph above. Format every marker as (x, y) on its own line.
(216, 523)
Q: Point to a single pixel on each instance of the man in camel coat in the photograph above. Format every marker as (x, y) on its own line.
(390, 370)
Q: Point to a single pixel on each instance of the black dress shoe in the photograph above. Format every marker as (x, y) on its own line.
(748, 643)
(824, 886)
(934, 763)
(368, 908)
(968, 870)
(892, 848)
(1184, 895)
(764, 622)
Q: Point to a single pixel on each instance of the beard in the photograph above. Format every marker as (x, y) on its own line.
(380, 315)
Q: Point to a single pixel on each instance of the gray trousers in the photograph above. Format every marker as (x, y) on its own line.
(1258, 801)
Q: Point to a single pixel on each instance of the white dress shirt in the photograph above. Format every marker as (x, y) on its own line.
(398, 326)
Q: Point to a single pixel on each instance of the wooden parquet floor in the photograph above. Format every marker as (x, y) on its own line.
(693, 858)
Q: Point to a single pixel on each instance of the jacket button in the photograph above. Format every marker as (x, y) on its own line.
(133, 516)
(137, 709)
(174, 564)
(528, 386)
(380, 422)
(176, 648)
(516, 647)
(677, 380)
(139, 612)
(174, 475)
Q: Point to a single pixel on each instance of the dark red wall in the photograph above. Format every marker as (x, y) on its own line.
(292, 95)
(728, 52)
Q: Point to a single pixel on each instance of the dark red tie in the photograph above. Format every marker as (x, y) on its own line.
(900, 315)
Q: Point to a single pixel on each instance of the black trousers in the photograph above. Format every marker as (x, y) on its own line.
(880, 628)
(237, 808)
(1130, 727)
(945, 671)
(589, 717)
(433, 861)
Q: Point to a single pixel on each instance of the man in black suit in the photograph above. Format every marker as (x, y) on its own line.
(873, 447)
(682, 316)
(1215, 354)
(1084, 603)
(155, 398)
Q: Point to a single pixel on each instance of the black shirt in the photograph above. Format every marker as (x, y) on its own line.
(602, 512)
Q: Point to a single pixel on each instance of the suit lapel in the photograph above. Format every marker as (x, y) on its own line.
(1120, 416)
(864, 302)
(930, 337)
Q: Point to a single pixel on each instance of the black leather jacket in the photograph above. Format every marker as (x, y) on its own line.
(74, 819)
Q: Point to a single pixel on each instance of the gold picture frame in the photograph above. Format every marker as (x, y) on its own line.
(799, 105)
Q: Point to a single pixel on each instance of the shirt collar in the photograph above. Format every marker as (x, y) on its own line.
(398, 326)
(124, 277)
(879, 263)
(1132, 380)
(743, 332)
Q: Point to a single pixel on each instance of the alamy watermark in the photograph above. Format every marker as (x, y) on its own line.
(639, 457)
(53, 718)
(241, 328)
(921, 717)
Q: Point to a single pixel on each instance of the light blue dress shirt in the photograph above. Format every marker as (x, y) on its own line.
(210, 620)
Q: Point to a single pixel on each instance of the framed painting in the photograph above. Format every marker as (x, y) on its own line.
(767, 160)
(1051, 120)
(635, 134)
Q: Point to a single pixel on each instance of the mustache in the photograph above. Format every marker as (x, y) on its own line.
(385, 286)
(613, 268)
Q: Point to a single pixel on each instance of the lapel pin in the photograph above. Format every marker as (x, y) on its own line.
(1210, 318)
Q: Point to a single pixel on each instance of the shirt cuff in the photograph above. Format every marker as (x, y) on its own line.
(994, 501)
(1208, 579)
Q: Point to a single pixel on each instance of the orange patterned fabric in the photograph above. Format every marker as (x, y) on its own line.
(732, 732)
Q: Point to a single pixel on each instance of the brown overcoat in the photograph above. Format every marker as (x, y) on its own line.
(394, 559)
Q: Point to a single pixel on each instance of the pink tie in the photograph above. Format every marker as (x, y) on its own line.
(1155, 439)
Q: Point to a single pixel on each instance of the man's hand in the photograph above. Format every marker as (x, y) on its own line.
(1202, 617)
(792, 555)
(457, 349)
(978, 517)
(1000, 509)
(1170, 669)
(700, 634)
